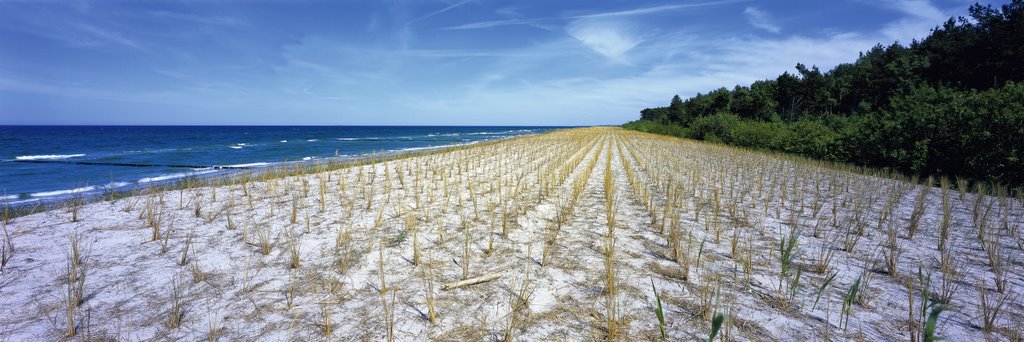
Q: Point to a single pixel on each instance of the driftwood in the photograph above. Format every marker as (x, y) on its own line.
(470, 281)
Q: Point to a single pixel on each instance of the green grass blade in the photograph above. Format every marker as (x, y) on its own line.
(658, 311)
(929, 327)
(821, 289)
(716, 325)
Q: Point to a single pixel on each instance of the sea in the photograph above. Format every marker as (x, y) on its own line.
(40, 164)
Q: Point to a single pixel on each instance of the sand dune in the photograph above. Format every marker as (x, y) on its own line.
(572, 227)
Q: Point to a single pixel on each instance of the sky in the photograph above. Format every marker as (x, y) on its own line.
(416, 62)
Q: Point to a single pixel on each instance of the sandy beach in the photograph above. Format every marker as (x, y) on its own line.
(563, 236)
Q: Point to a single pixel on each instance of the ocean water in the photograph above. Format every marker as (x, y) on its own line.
(41, 163)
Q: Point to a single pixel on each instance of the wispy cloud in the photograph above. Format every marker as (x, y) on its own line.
(600, 63)
(760, 19)
(650, 10)
(489, 24)
(612, 34)
(77, 33)
(440, 11)
(920, 17)
(199, 19)
(541, 24)
(918, 8)
(102, 35)
(81, 35)
(608, 38)
(600, 98)
(510, 12)
(61, 89)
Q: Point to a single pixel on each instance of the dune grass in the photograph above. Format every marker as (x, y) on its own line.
(557, 236)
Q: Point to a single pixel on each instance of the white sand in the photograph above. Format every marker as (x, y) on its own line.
(128, 282)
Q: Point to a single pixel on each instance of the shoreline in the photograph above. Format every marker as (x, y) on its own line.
(20, 205)
(551, 236)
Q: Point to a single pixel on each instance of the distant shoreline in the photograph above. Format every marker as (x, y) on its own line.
(219, 174)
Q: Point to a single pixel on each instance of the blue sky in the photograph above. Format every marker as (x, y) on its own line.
(454, 62)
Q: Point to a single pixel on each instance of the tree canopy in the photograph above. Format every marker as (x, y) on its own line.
(950, 104)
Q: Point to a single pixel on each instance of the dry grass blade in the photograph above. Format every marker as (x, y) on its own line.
(6, 249)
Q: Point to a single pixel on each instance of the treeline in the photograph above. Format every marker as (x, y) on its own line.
(950, 104)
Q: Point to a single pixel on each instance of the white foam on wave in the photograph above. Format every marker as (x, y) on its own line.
(49, 156)
(312, 140)
(112, 185)
(410, 149)
(63, 192)
(419, 148)
(235, 147)
(366, 138)
(514, 131)
(284, 141)
(159, 150)
(308, 158)
(107, 186)
(23, 201)
(175, 175)
(8, 197)
(247, 165)
(502, 132)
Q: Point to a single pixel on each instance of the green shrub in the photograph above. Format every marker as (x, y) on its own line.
(714, 127)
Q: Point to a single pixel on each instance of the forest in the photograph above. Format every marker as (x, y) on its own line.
(951, 104)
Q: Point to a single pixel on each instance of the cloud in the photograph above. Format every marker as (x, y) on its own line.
(66, 90)
(198, 19)
(440, 11)
(650, 10)
(760, 19)
(920, 18)
(608, 38)
(540, 22)
(603, 97)
(919, 9)
(489, 24)
(90, 35)
(511, 12)
(69, 32)
(601, 68)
